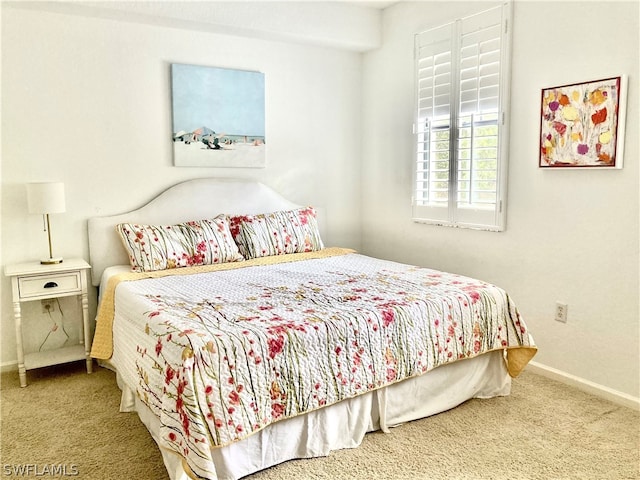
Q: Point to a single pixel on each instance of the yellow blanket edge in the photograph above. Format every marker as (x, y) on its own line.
(102, 346)
(518, 357)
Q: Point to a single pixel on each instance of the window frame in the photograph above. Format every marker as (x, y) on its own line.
(453, 213)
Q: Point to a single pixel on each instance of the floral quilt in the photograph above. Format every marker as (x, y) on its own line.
(229, 352)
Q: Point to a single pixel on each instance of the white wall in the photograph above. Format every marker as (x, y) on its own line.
(571, 235)
(86, 101)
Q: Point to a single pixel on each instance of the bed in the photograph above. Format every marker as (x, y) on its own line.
(242, 341)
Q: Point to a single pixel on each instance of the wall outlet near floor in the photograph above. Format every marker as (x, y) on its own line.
(561, 312)
(47, 305)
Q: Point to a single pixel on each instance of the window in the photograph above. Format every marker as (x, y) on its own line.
(462, 80)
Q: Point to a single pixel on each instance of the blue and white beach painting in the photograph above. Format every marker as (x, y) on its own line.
(218, 117)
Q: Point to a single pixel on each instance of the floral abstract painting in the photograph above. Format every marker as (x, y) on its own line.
(218, 117)
(582, 125)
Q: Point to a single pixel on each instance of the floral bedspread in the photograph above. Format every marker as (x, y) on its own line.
(230, 352)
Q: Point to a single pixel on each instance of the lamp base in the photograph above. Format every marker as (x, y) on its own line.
(51, 261)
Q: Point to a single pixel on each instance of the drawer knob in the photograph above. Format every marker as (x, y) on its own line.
(50, 285)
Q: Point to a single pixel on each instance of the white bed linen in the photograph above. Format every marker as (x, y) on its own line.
(344, 425)
(110, 272)
(317, 433)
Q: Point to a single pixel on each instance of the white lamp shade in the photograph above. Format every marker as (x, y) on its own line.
(46, 197)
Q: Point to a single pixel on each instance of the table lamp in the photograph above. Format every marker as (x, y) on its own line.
(45, 198)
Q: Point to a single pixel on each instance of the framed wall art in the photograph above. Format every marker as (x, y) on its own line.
(582, 124)
(218, 117)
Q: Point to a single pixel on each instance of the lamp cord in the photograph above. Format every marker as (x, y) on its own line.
(55, 325)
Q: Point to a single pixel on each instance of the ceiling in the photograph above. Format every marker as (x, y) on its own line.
(380, 5)
(349, 24)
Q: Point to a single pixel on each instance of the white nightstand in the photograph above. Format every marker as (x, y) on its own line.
(34, 281)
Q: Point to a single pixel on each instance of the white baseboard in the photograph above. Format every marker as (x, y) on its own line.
(607, 393)
(9, 366)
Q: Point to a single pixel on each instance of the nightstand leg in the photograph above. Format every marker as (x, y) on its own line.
(87, 332)
(22, 371)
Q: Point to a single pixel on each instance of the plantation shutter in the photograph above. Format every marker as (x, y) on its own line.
(462, 88)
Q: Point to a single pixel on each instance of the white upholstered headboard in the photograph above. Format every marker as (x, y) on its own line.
(191, 200)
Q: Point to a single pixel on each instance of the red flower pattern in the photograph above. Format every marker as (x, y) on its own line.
(233, 410)
(275, 346)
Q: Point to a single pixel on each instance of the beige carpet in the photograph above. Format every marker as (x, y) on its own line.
(544, 430)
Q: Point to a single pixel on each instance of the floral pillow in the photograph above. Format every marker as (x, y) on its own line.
(277, 233)
(159, 247)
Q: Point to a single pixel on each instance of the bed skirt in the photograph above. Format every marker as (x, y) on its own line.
(344, 424)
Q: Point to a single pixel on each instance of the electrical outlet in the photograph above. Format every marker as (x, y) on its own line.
(561, 312)
(47, 305)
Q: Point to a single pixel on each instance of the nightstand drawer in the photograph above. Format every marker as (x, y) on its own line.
(40, 285)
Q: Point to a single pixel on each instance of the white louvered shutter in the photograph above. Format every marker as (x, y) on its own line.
(462, 78)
